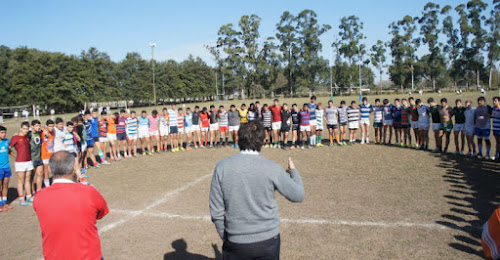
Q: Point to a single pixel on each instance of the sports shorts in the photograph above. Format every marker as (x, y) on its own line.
(285, 128)
(306, 128)
(388, 122)
(45, 161)
(90, 143)
(214, 127)
(38, 162)
(111, 137)
(496, 132)
(342, 123)
(143, 132)
(154, 133)
(459, 127)
(180, 130)
(423, 126)
(223, 128)
(205, 128)
(319, 127)
(313, 121)
(195, 128)
(164, 130)
(446, 127)
(396, 125)
(354, 125)
(332, 126)
(234, 128)
(378, 124)
(364, 121)
(276, 125)
(436, 126)
(132, 136)
(268, 128)
(96, 139)
(404, 126)
(469, 130)
(5, 173)
(121, 136)
(295, 127)
(482, 133)
(188, 129)
(103, 139)
(414, 124)
(174, 130)
(23, 166)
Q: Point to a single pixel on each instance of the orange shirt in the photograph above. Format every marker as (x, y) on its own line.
(111, 126)
(47, 145)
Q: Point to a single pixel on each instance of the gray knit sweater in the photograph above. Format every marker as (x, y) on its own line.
(242, 203)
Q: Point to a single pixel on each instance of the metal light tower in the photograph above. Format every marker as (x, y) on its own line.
(290, 70)
(153, 45)
(331, 73)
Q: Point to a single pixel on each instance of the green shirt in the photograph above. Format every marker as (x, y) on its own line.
(459, 113)
(35, 145)
(435, 114)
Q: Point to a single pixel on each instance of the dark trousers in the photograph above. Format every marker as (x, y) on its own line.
(263, 250)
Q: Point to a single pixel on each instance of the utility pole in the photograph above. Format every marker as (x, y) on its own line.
(331, 73)
(153, 45)
(216, 88)
(290, 70)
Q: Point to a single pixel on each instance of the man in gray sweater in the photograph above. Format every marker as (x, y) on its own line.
(242, 203)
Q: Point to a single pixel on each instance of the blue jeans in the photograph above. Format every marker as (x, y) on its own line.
(263, 250)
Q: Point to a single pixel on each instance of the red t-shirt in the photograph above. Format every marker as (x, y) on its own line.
(67, 213)
(22, 145)
(204, 120)
(276, 111)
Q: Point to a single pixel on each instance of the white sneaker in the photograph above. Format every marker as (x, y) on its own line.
(362, 141)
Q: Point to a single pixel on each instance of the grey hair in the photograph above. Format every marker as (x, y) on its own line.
(61, 163)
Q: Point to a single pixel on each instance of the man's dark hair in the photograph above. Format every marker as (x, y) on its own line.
(481, 98)
(233, 106)
(132, 112)
(364, 99)
(103, 113)
(397, 99)
(143, 111)
(377, 100)
(257, 102)
(430, 100)
(154, 112)
(342, 102)
(196, 107)
(59, 120)
(418, 101)
(386, 101)
(459, 100)
(49, 122)
(212, 106)
(122, 110)
(69, 123)
(444, 100)
(35, 122)
(276, 100)
(251, 136)
(61, 163)
(87, 112)
(313, 97)
(2, 128)
(25, 123)
(410, 98)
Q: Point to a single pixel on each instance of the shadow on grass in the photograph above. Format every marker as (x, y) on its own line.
(473, 196)
(180, 252)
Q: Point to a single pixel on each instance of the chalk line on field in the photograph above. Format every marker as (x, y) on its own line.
(128, 215)
(381, 224)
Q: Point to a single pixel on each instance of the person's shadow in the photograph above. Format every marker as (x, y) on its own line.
(180, 247)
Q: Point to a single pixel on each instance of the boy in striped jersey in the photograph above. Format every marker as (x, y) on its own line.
(131, 125)
(405, 124)
(423, 124)
(458, 130)
(331, 118)
(495, 115)
(267, 118)
(154, 134)
(364, 121)
(445, 114)
(312, 110)
(388, 120)
(164, 129)
(180, 127)
(482, 127)
(103, 140)
(469, 127)
(343, 120)
(378, 116)
(144, 133)
(319, 126)
(353, 119)
(397, 121)
(223, 125)
(305, 127)
(295, 126)
(120, 133)
(173, 129)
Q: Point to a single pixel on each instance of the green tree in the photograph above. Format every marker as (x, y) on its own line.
(377, 57)
(493, 39)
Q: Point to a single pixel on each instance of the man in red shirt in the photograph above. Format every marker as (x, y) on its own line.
(276, 125)
(67, 221)
(23, 165)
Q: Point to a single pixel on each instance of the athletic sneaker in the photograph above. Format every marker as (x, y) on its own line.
(235, 146)
(331, 144)
(302, 147)
(30, 199)
(182, 149)
(84, 175)
(23, 203)
(106, 163)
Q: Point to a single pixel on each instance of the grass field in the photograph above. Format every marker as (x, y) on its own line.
(362, 201)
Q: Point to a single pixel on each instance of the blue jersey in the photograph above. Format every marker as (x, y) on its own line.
(312, 110)
(388, 110)
(188, 120)
(94, 122)
(4, 153)
(88, 129)
(143, 121)
(365, 110)
(131, 126)
(397, 114)
(495, 115)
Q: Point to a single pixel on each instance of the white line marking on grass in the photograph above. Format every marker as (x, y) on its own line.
(308, 221)
(128, 215)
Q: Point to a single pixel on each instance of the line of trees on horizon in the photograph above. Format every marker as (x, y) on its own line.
(446, 46)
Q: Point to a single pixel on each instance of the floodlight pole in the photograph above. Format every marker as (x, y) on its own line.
(331, 73)
(153, 45)
(290, 70)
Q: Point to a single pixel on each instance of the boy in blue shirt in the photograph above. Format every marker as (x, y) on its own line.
(5, 172)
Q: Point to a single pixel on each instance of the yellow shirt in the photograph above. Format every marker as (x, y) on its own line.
(243, 115)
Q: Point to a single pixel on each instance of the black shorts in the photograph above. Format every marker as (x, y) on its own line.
(121, 136)
(268, 128)
(285, 128)
(343, 124)
(96, 139)
(38, 162)
(396, 125)
(332, 126)
(295, 127)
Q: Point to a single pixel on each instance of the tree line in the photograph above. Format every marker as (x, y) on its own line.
(444, 46)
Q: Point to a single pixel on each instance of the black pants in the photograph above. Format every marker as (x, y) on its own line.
(263, 250)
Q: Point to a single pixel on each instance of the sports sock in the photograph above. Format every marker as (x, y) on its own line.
(337, 137)
(331, 139)
(101, 155)
(4, 199)
(21, 197)
(480, 149)
(368, 139)
(488, 150)
(46, 182)
(318, 139)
